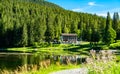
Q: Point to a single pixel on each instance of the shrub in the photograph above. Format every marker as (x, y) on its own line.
(118, 40)
(43, 44)
(115, 46)
(97, 48)
(56, 45)
(35, 44)
(50, 44)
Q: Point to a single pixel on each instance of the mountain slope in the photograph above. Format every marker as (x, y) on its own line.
(41, 2)
(27, 22)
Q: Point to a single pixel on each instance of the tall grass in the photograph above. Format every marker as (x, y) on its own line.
(102, 63)
(34, 69)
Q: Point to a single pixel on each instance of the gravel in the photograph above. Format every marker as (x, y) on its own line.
(72, 71)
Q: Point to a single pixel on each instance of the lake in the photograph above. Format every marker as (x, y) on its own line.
(13, 60)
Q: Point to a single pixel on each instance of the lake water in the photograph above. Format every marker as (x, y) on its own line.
(14, 60)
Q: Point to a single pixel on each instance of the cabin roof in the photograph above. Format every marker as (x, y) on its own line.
(67, 34)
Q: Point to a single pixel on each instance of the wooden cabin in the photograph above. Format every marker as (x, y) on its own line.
(68, 38)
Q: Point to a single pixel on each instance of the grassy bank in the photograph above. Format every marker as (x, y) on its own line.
(50, 69)
(54, 68)
(64, 49)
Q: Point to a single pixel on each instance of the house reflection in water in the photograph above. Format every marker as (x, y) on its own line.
(68, 38)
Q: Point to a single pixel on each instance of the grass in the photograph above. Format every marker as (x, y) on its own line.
(50, 69)
(65, 49)
(54, 68)
(115, 45)
(105, 68)
(103, 63)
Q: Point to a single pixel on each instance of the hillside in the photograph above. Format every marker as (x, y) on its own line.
(41, 2)
(25, 22)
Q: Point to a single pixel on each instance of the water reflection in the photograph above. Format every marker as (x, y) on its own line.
(14, 60)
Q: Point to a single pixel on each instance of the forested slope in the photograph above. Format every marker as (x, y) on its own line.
(23, 22)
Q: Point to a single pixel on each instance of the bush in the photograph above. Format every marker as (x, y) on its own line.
(50, 44)
(97, 48)
(118, 40)
(115, 46)
(35, 44)
(105, 47)
(56, 45)
(43, 44)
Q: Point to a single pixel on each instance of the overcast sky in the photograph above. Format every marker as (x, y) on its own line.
(99, 7)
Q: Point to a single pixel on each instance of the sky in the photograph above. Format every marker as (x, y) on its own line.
(99, 7)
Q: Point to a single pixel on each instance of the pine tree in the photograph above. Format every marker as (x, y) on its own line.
(50, 28)
(95, 36)
(109, 32)
(116, 24)
(24, 36)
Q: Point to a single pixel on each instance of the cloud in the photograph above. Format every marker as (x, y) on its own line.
(115, 10)
(104, 12)
(91, 8)
(111, 10)
(77, 9)
(86, 8)
(83, 9)
(99, 13)
(94, 4)
(91, 3)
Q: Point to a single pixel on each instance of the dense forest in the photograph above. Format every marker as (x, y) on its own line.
(24, 22)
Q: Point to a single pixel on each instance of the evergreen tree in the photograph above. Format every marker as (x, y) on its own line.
(116, 24)
(24, 36)
(57, 26)
(95, 36)
(50, 28)
(109, 33)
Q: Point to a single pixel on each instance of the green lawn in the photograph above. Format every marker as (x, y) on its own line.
(64, 49)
